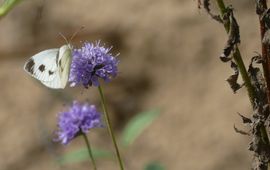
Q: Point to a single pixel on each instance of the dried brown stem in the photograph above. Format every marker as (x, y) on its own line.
(265, 53)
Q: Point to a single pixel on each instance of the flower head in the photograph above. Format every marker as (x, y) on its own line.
(91, 63)
(80, 118)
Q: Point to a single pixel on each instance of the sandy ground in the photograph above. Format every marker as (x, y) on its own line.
(169, 61)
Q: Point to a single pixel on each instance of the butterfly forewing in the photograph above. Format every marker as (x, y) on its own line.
(51, 67)
(55, 83)
(43, 66)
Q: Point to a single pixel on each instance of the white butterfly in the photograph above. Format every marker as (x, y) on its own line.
(51, 67)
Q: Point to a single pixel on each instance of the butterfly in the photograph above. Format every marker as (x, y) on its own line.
(51, 67)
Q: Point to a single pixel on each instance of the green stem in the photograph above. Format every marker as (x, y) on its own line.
(89, 151)
(222, 9)
(109, 127)
(7, 6)
(238, 59)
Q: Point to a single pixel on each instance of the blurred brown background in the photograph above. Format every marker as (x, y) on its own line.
(169, 61)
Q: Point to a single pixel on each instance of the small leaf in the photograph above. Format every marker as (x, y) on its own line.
(233, 39)
(136, 126)
(206, 6)
(6, 6)
(258, 82)
(232, 80)
(154, 166)
(82, 155)
(240, 131)
(245, 119)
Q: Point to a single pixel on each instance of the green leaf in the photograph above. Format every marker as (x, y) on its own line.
(154, 166)
(136, 126)
(7, 5)
(82, 155)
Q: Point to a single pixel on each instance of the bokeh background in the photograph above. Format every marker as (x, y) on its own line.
(169, 61)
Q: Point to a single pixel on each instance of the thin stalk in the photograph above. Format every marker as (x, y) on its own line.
(109, 127)
(238, 58)
(89, 151)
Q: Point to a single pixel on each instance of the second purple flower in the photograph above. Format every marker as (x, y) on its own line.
(79, 118)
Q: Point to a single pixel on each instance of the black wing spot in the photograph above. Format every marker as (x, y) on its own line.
(30, 66)
(57, 58)
(50, 72)
(41, 67)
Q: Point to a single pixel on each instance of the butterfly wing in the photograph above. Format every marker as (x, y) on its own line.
(44, 67)
(64, 61)
(54, 84)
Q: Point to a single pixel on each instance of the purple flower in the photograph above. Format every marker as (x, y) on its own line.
(91, 63)
(80, 118)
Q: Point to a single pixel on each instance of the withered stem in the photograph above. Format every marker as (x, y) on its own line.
(238, 58)
(265, 54)
(266, 66)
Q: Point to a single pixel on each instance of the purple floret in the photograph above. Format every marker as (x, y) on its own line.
(80, 118)
(91, 63)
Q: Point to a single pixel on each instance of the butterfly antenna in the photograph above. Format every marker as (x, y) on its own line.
(76, 32)
(63, 37)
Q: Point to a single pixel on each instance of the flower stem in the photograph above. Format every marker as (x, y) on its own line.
(109, 127)
(89, 151)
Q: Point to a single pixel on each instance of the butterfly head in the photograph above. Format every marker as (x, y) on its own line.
(65, 51)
